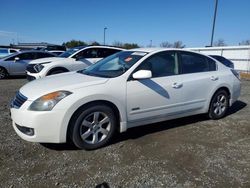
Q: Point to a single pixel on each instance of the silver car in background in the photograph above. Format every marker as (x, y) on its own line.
(7, 51)
(15, 64)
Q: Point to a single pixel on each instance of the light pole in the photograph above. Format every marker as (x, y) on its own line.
(104, 35)
(215, 13)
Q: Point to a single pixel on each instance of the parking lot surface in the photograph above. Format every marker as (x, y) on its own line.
(188, 152)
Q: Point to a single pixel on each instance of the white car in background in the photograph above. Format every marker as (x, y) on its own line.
(127, 89)
(72, 60)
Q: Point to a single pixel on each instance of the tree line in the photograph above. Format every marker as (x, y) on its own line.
(165, 44)
(74, 43)
(221, 42)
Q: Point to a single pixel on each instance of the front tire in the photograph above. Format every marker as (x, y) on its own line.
(219, 105)
(3, 73)
(92, 127)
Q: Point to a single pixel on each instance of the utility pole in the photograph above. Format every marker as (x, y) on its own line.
(104, 35)
(215, 13)
(17, 39)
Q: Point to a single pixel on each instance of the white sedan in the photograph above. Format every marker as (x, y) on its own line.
(72, 60)
(128, 89)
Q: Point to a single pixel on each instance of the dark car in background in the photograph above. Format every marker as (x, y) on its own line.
(223, 60)
(15, 64)
(55, 49)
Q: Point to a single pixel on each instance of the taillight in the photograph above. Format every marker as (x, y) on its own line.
(236, 74)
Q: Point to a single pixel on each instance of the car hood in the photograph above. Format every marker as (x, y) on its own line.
(51, 59)
(66, 81)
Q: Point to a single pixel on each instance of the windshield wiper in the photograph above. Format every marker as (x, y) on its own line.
(88, 73)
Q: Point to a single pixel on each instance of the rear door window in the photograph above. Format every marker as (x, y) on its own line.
(87, 53)
(27, 56)
(212, 64)
(105, 52)
(23, 56)
(43, 55)
(13, 51)
(194, 63)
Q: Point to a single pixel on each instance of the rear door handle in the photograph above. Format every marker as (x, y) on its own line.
(214, 78)
(177, 85)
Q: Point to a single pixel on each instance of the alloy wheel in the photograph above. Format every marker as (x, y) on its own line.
(2, 73)
(219, 105)
(95, 127)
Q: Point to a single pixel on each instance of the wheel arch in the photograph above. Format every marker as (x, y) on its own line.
(222, 87)
(91, 103)
(57, 68)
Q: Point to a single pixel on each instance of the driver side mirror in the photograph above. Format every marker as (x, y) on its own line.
(16, 59)
(142, 74)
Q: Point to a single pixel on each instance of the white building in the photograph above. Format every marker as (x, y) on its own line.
(239, 55)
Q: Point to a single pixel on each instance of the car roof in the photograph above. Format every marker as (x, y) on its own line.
(55, 51)
(104, 46)
(81, 48)
(97, 46)
(216, 55)
(147, 50)
(27, 51)
(77, 47)
(154, 50)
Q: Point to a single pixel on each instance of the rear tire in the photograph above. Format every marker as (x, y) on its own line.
(93, 127)
(3, 73)
(219, 105)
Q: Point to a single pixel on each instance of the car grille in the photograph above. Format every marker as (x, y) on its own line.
(18, 100)
(30, 78)
(30, 68)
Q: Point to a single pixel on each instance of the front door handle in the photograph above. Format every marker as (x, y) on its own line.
(214, 78)
(177, 85)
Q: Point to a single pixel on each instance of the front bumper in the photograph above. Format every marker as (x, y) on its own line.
(33, 76)
(236, 91)
(46, 125)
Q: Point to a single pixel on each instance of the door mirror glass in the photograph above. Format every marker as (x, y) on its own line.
(142, 74)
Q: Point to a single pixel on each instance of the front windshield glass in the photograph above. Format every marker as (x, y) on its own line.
(69, 52)
(114, 65)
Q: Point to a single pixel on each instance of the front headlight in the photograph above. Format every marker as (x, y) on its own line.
(38, 67)
(47, 102)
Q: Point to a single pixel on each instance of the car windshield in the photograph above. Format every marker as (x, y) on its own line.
(114, 65)
(69, 52)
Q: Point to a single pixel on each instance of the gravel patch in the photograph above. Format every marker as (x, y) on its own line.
(188, 152)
